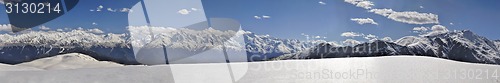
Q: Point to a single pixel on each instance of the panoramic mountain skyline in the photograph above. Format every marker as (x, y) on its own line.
(314, 20)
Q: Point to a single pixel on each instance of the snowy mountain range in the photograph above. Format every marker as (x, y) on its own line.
(268, 47)
(32, 45)
(463, 46)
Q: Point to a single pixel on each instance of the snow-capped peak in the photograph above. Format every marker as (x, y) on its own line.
(409, 40)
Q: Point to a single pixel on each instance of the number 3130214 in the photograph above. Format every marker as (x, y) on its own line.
(34, 8)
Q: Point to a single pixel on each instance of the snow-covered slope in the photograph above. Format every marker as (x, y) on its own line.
(6, 67)
(459, 45)
(68, 61)
(393, 69)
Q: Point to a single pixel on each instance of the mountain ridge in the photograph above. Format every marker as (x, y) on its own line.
(464, 46)
(29, 46)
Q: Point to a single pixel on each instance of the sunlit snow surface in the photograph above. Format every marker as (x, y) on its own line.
(391, 69)
(68, 61)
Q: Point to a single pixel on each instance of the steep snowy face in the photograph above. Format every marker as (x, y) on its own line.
(497, 42)
(267, 44)
(409, 40)
(266, 47)
(465, 42)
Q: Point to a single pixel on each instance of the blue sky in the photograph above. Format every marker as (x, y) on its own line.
(291, 18)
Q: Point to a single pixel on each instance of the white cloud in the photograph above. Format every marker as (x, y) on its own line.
(383, 12)
(99, 8)
(451, 23)
(95, 31)
(266, 17)
(421, 6)
(111, 10)
(317, 37)
(365, 4)
(322, 3)
(351, 42)
(262, 17)
(354, 2)
(412, 17)
(304, 34)
(350, 34)
(183, 11)
(44, 28)
(389, 39)
(257, 17)
(362, 21)
(361, 3)
(194, 9)
(93, 23)
(370, 36)
(420, 29)
(60, 30)
(437, 29)
(126, 10)
(307, 36)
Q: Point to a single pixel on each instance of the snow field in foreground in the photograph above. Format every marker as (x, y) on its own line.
(390, 69)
